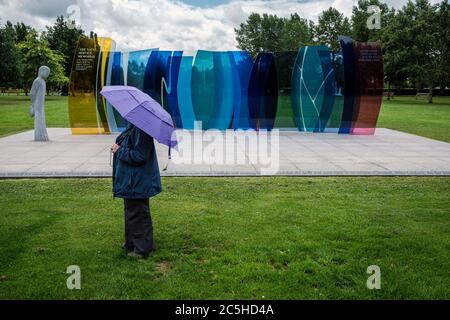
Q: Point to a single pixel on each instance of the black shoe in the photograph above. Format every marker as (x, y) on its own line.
(127, 250)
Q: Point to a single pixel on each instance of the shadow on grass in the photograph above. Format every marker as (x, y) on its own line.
(16, 240)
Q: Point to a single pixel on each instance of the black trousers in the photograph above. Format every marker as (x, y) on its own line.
(138, 226)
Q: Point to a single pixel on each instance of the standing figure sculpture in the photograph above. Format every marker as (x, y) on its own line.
(37, 95)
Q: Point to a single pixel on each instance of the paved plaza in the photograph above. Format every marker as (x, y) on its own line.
(388, 152)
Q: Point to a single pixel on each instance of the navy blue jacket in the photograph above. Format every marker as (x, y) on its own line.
(135, 166)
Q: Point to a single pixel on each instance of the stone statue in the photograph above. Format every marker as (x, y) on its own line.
(37, 95)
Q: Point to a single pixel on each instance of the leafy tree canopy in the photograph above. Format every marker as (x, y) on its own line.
(35, 52)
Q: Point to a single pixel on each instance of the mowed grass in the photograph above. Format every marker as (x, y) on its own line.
(14, 115)
(403, 113)
(231, 238)
(419, 117)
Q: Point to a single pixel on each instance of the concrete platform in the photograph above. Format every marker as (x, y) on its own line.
(388, 152)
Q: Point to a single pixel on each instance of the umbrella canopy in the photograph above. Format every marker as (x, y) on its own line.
(141, 110)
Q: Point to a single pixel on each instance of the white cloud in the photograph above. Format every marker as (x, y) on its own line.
(166, 24)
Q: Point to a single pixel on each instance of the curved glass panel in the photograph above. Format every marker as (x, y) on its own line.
(115, 77)
(349, 84)
(203, 87)
(225, 76)
(370, 83)
(160, 81)
(308, 88)
(243, 64)
(329, 88)
(137, 64)
(171, 87)
(83, 115)
(263, 92)
(184, 93)
(106, 46)
(334, 121)
(285, 67)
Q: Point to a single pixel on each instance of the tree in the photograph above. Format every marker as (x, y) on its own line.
(10, 75)
(394, 55)
(443, 20)
(260, 33)
(63, 37)
(22, 30)
(36, 52)
(417, 38)
(297, 32)
(274, 34)
(331, 24)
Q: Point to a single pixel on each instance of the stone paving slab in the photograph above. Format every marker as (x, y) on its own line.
(388, 152)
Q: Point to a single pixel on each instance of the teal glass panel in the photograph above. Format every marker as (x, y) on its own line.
(187, 114)
(203, 87)
(225, 76)
(308, 90)
(329, 86)
(243, 64)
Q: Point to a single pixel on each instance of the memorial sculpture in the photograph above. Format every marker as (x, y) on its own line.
(37, 108)
(312, 89)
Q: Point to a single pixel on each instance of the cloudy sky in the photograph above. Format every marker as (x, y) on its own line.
(167, 24)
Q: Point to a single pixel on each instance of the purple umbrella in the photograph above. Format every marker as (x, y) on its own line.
(141, 110)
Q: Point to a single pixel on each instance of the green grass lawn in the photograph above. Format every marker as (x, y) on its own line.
(246, 238)
(404, 113)
(14, 113)
(419, 117)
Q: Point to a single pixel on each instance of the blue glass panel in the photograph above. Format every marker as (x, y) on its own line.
(263, 92)
(155, 72)
(225, 76)
(349, 84)
(171, 86)
(184, 93)
(160, 81)
(243, 63)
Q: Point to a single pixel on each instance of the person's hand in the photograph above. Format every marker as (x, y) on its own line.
(114, 148)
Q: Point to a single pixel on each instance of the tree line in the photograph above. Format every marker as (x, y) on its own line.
(415, 39)
(23, 50)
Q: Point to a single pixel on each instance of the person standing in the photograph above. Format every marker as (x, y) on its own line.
(136, 178)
